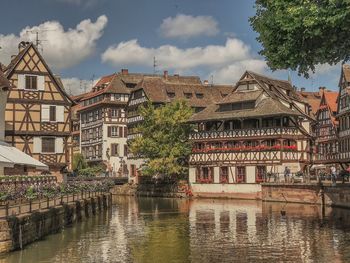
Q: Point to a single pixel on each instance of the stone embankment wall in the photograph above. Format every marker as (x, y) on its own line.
(338, 196)
(18, 231)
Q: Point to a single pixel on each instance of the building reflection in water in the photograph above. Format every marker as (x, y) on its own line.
(179, 230)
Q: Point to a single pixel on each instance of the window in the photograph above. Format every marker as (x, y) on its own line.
(224, 175)
(125, 150)
(260, 174)
(114, 149)
(188, 95)
(240, 174)
(48, 145)
(115, 112)
(171, 94)
(52, 113)
(138, 94)
(199, 95)
(31, 82)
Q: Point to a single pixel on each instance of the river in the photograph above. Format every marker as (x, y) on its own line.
(204, 230)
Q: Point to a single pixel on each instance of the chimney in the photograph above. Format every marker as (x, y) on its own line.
(22, 45)
(165, 74)
(302, 89)
(125, 71)
(206, 82)
(321, 90)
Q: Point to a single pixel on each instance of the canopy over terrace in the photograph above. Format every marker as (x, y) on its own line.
(11, 156)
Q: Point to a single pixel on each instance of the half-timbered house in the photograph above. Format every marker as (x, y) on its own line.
(325, 130)
(37, 119)
(12, 160)
(103, 129)
(344, 116)
(162, 89)
(261, 127)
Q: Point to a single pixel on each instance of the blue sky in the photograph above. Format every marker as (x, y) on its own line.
(85, 39)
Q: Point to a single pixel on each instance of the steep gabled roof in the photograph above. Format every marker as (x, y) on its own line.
(11, 67)
(264, 108)
(311, 98)
(331, 100)
(159, 90)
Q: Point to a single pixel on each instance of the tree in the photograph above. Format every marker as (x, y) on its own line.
(164, 142)
(79, 162)
(301, 34)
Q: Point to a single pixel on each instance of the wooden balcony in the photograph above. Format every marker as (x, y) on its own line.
(245, 133)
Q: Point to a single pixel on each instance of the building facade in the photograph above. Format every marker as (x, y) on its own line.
(344, 117)
(37, 119)
(261, 127)
(325, 130)
(102, 135)
(162, 89)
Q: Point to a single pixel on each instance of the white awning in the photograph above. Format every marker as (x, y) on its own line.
(318, 166)
(10, 156)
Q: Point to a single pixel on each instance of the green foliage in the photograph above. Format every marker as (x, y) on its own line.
(79, 162)
(91, 171)
(301, 34)
(164, 142)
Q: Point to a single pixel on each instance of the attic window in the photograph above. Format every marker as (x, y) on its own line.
(188, 95)
(171, 94)
(200, 95)
(238, 106)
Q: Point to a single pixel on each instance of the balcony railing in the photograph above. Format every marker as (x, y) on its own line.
(245, 133)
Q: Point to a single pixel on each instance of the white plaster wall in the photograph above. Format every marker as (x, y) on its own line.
(250, 174)
(3, 100)
(226, 188)
(192, 174)
(216, 174)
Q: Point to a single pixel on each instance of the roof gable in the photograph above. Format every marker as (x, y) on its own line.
(30, 60)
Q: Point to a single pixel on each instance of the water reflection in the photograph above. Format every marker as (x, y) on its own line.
(176, 230)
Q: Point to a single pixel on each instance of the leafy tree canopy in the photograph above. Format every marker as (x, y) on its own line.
(299, 34)
(79, 162)
(164, 142)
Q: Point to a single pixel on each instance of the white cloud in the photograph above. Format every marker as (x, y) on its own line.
(75, 86)
(231, 73)
(226, 62)
(168, 56)
(186, 26)
(61, 49)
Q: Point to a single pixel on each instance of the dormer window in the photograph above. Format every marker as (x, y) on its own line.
(171, 94)
(188, 95)
(199, 95)
(244, 105)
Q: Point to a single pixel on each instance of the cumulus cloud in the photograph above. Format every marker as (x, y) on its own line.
(75, 86)
(231, 73)
(61, 48)
(186, 26)
(226, 61)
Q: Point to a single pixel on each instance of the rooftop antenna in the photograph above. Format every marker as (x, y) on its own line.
(38, 41)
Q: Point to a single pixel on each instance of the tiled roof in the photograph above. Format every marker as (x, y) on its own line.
(266, 107)
(241, 96)
(159, 90)
(312, 98)
(331, 99)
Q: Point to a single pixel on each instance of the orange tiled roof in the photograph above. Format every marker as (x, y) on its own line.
(331, 100)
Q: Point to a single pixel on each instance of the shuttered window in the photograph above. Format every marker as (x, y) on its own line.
(31, 82)
(52, 113)
(48, 145)
(114, 149)
(125, 132)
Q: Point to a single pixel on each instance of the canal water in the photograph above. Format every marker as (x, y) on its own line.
(178, 230)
